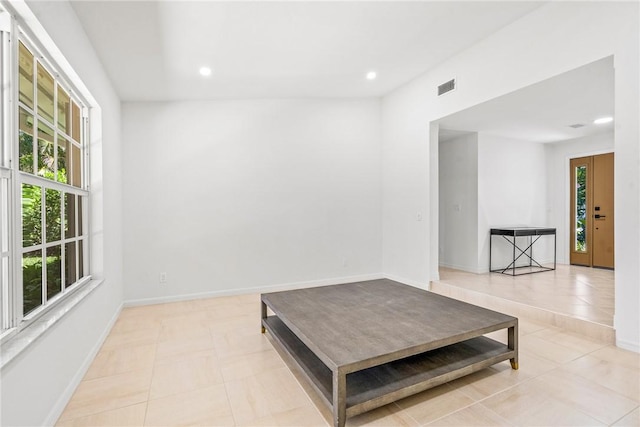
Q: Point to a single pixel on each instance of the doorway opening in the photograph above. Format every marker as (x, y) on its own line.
(505, 162)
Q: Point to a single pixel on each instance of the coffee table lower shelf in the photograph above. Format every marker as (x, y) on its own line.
(379, 385)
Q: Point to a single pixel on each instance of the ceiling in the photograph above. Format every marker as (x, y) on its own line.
(543, 112)
(152, 50)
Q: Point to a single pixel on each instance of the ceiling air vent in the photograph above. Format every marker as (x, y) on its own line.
(447, 87)
(577, 125)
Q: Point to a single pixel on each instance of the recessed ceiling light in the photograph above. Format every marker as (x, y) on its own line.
(603, 120)
(371, 75)
(205, 71)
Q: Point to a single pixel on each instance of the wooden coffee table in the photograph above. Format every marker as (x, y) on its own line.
(364, 345)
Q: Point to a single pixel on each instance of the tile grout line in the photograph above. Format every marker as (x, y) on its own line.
(625, 415)
(479, 402)
(401, 409)
(153, 369)
(99, 412)
(224, 382)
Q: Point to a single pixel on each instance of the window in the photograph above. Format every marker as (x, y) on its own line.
(44, 239)
(580, 244)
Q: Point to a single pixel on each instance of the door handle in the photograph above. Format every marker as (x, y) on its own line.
(598, 216)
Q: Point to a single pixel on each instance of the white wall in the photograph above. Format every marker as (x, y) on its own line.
(229, 196)
(37, 384)
(557, 156)
(511, 192)
(458, 195)
(553, 39)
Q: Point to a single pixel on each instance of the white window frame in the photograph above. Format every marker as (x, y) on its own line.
(12, 319)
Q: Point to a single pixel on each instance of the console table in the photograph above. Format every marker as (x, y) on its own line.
(510, 234)
(364, 345)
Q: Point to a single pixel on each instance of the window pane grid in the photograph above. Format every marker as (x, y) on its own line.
(50, 181)
(32, 112)
(56, 110)
(55, 226)
(60, 216)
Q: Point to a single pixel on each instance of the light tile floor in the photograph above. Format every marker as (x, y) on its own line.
(581, 292)
(205, 362)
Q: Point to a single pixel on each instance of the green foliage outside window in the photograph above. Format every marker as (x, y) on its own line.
(31, 281)
(581, 208)
(25, 142)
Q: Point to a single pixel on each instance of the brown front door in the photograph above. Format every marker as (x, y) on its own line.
(603, 211)
(592, 216)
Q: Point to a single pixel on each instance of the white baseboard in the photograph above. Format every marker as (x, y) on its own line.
(466, 268)
(64, 398)
(410, 282)
(254, 290)
(628, 345)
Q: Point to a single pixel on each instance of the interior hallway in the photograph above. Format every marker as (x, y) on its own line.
(205, 362)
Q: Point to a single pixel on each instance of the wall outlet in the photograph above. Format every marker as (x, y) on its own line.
(163, 277)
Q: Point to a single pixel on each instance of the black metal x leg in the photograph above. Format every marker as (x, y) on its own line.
(522, 252)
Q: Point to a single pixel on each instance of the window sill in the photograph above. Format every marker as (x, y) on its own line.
(16, 341)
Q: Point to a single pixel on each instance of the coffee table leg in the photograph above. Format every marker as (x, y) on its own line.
(264, 316)
(513, 344)
(339, 398)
